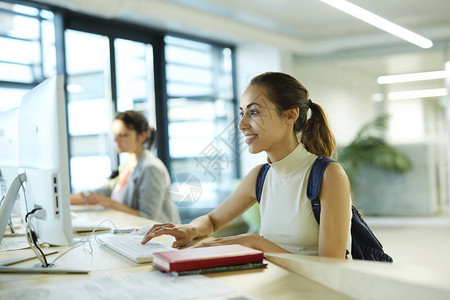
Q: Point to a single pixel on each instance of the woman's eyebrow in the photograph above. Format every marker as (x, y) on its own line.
(250, 104)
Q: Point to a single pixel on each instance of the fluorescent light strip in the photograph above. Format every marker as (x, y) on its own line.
(380, 22)
(412, 77)
(417, 94)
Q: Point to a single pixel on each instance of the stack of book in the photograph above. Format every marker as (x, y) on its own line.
(208, 260)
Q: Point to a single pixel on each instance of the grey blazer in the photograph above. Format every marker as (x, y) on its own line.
(148, 189)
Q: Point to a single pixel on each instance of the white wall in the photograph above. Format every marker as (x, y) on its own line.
(252, 60)
(343, 93)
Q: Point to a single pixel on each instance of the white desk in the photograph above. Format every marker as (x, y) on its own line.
(274, 282)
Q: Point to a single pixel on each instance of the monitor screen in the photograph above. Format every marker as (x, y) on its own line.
(43, 161)
(9, 162)
(9, 143)
(9, 149)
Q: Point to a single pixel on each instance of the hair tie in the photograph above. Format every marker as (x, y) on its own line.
(310, 103)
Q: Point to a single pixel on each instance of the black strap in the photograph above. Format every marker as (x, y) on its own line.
(260, 181)
(315, 182)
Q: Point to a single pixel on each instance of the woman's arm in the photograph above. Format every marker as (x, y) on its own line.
(76, 199)
(237, 203)
(106, 201)
(252, 240)
(335, 212)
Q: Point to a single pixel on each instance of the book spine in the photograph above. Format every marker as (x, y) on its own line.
(215, 262)
(221, 269)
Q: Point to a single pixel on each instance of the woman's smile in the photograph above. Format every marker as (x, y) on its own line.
(250, 138)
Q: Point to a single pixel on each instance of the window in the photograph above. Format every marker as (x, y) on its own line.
(93, 101)
(27, 51)
(89, 109)
(184, 87)
(201, 121)
(135, 80)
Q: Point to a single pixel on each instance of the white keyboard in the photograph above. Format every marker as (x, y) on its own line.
(130, 246)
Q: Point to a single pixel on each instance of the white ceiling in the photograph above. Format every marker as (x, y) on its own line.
(310, 29)
(324, 29)
(304, 27)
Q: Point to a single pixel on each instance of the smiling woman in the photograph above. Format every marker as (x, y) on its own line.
(274, 112)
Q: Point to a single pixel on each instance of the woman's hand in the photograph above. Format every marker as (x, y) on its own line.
(98, 199)
(183, 234)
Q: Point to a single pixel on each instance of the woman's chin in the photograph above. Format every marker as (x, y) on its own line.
(253, 150)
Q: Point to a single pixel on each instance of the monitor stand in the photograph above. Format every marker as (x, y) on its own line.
(5, 213)
(8, 202)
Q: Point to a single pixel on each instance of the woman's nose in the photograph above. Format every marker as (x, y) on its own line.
(243, 123)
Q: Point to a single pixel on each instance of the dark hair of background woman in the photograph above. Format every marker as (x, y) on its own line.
(136, 121)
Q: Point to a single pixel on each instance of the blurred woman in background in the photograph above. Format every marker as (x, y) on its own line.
(142, 185)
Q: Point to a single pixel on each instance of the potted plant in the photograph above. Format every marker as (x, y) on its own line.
(370, 149)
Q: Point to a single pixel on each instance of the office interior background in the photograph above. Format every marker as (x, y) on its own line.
(185, 64)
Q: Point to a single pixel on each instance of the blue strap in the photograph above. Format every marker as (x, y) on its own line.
(315, 182)
(260, 181)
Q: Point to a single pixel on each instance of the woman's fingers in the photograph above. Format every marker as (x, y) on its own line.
(180, 242)
(161, 229)
(153, 231)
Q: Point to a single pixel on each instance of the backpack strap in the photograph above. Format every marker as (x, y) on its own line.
(260, 181)
(315, 182)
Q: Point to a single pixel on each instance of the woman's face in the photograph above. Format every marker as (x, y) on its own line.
(263, 127)
(126, 140)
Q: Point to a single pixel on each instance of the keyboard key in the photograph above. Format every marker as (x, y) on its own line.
(130, 246)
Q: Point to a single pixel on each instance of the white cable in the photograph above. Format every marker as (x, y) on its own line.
(87, 239)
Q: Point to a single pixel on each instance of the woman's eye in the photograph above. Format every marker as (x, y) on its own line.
(241, 114)
(253, 112)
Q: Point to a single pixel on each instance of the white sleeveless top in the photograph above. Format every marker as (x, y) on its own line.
(287, 218)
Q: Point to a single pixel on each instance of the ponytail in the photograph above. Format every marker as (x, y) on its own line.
(316, 134)
(286, 92)
(151, 137)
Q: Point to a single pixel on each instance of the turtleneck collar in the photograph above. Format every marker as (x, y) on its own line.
(298, 159)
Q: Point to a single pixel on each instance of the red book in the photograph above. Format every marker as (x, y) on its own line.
(206, 257)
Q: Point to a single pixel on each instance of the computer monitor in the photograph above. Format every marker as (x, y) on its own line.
(43, 167)
(9, 148)
(43, 157)
(9, 160)
(9, 153)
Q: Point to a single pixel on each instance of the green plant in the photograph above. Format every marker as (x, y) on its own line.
(369, 148)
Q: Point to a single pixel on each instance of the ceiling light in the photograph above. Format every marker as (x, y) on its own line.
(380, 22)
(417, 94)
(411, 77)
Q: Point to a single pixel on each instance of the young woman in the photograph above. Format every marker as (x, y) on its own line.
(274, 118)
(142, 186)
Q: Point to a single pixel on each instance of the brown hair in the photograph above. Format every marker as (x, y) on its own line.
(136, 121)
(287, 92)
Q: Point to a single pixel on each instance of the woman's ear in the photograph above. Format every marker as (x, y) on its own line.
(292, 115)
(142, 137)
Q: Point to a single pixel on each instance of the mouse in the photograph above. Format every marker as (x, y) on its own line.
(142, 230)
